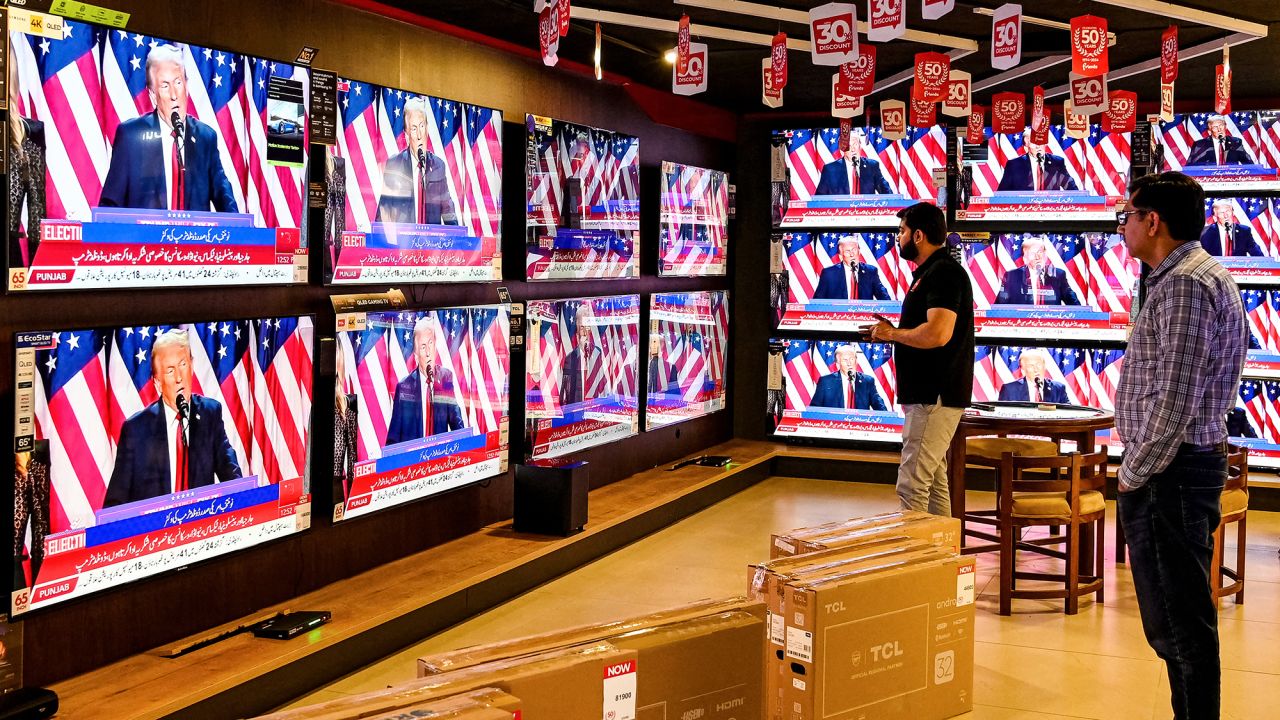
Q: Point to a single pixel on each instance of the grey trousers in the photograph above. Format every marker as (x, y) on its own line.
(922, 476)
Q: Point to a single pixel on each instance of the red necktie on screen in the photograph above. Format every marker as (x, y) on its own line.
(855, 179)
(422, 192)
(852, 281)
(176, 195)
(426, 405)
(1035, 287)
(180, 453)
(1226, 239)
(1221, 146)
(1039, 172)
(848, 400)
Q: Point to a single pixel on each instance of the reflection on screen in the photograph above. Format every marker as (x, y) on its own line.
(693, 225)
(688, 343)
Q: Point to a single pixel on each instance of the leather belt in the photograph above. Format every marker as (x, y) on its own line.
(1189, 449)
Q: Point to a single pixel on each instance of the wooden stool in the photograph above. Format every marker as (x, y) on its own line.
(987, 452)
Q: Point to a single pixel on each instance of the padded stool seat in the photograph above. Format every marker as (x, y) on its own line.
(993, 447)
(1234, 501)
(1047, 505)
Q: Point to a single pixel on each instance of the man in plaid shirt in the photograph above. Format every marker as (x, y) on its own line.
(1181, 373)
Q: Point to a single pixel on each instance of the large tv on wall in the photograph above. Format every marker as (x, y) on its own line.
(866, 186)
(139, 161)
(582, 192)
(837, 280)
(415, 189)
(688, 347)
(145, 449)
(693, 225)
(1237, 151)
(1069, 178)
(833, 389)
(582, 373)
(420, 404)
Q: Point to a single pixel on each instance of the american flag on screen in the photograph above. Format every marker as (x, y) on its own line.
(471, 343)
(1272, 343)
(91, 382)
(1071, 367)
(1099, 164)
(1104, 377)
(985, 385)
(1184, 130)
(907, 165)
(808, 254)
(467, 138)
(1113, 273)
(608, 165)
(1263, 138)
(988, 265)
(84, 86)
(876, 360)
(1258, 214)
(1257, 310)
(801, 373)
(1253, 398)
(1272, 389)
(689, 193)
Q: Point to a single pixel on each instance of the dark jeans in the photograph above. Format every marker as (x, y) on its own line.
(1169, 524)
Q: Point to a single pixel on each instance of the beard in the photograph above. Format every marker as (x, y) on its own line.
(909, 252)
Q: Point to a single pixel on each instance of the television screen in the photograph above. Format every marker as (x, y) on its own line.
(145, 449)
(1255, 421)
(582, 373)
(1067, 179)
(414, 189)
(582, 190)
(1233, 151)
(1262, 308)
(420, 404)
(1244, 234)
(1060, 286)
(688, 344)
(137, 161)
(693, 227)
(839, 280)
(834, 389)
(864, 186)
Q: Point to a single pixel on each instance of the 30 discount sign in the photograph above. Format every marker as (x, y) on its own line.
(843, 104)
(893, 119)
(549, 35)
(833, 33)
(694, 79)
(1077, 125)
(1088, 94)
(1006, 36)
(771, 96)
(959, 101)
(932, 72)
(935, 9)
(886, 20)
(1089, 45)
(1009, 112)
(859, 74)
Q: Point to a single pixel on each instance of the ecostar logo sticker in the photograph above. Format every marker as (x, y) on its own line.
(833, 33)
(1089, 45)
(1006, 36)
(694, 79)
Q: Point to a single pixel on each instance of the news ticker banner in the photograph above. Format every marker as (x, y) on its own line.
(845, 211)
(584, 425)
(401, 252)
(1235, 177)
(1057, 322)
(1018, 206)
(838, 315)
(669, 408)
(841, 424)
(426, 467)
(582, 254)
(148, 537)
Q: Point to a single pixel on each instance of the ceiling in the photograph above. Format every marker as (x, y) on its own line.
(734, 67)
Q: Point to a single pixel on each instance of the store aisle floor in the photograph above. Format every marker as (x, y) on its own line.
(1036, 663)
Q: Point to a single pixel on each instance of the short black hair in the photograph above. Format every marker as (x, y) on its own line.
(928, 219)
(1178, 199)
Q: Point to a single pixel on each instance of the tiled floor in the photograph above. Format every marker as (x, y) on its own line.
(1037, 663)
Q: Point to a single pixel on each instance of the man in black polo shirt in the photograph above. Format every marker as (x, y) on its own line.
(933, 351)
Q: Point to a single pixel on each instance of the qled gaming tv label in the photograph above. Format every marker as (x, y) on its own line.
(421, 405)
(144, 449)
(139, 161)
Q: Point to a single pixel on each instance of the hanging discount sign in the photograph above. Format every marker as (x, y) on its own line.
(1077, 125)
(924, 113)
(975, 132)
(772, 96)
(1222, 89)
(843, 104)
(1009, 112)
(1122, 112)
(694, 79)
(1089, 45)
(1169, 55)
(779, 56)
(935, 9)
(859, 74)
(562, 11)
(682, 44)
(833, 33)
(846, 129)
(932, 71)
(1039, 118)
(549, 35)
(886, 20)
(1088, 94)
(1006, 36)
(958, 102)
(1166, 102)
(893, 119)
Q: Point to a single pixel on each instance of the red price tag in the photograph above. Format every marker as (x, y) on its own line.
(1006, 36)
(859, 75)
(924, 113)
(562, 10)
(682, 44)
(1222, 89)
(1122, 112)
(1089, 45)
(977, 123)
(1169, 55)
(549, 35)
(932, 71)
(1009, 112)
(780, 60)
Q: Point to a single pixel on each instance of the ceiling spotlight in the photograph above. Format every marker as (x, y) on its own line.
(670, 57)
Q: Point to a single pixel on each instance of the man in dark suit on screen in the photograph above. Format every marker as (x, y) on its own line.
(850, 274)
(415, 188)
(1218, 148)
(1037, 282)
(580, 362)
(1035, 170)
(1034, 385)
(1224, 237)
(177, 442)
(423, 404)
(846, 387)
(851, 173)
(166, 159)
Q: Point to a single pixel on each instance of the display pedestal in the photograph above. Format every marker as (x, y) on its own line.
(551, 497)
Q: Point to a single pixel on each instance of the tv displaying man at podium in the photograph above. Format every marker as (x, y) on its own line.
(1034, 385)
(423, 404)
(584, 364)
(850, 279)
(852, 174)
(415, 188)
(166, 159)
(1035, 170)
(1037, 282)
(1217, 147)
(846, 387)
(1224, 237)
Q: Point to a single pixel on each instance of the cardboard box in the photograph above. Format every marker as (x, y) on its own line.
(785, 547)
(584, 682)
(882, 642)
(486, 704)
(476, 654)
(936, 529)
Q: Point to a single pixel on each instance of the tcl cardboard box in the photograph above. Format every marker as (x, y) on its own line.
(941, 531)
(585, 682)
(486, 704)
(883, 643)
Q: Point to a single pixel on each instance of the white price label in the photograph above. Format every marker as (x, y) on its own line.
(966, 585)
(800, 644)
(620, 691)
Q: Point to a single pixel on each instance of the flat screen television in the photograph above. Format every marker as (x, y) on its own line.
(140, 450)
(693, 224)
(1067, 179)
(139, 161)
(834, 389)
(838, 280)
(688, 347)
(582, 373)
(823, 187)
(420, 404)
(1255, 421)
(582, 191)
(1244, 234)
(414, 189)
(1228, 152)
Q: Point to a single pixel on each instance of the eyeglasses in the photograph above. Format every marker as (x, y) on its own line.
(1122, 217)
